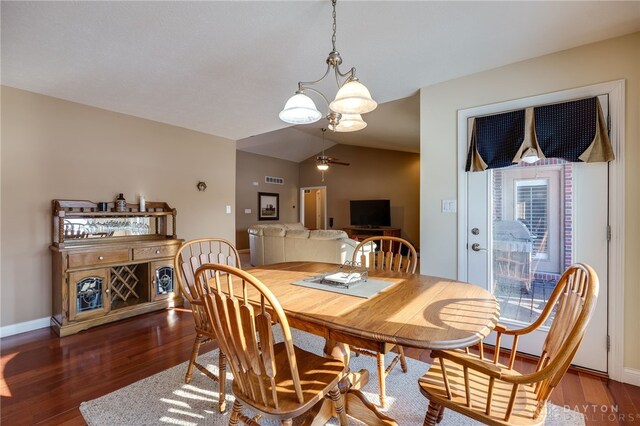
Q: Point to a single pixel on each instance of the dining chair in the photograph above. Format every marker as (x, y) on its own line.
(496, 394)
(385, 254)
(277, 379)
(190, 256)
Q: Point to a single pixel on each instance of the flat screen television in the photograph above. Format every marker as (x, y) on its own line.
(370, 213)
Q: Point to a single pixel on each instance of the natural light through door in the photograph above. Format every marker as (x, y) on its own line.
(529, 223)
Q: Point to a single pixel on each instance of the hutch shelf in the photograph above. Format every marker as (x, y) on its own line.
(110, 265)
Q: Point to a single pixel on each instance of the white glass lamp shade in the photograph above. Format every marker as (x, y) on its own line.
(353, 98)
(322, 166)
(349, 123)
(300, 109)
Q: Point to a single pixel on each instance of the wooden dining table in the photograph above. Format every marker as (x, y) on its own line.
(416, 311)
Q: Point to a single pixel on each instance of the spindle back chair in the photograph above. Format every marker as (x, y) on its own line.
(191, 255)
(278, 379)
(497, 394)
(385, 254)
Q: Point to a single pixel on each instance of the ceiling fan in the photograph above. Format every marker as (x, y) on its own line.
(322, 161)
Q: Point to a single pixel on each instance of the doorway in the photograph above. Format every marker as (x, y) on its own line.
(313, 207)
(519, 227)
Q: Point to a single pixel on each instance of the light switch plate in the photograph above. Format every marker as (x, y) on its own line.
(228, 209)
(247, 211)
(449, 206)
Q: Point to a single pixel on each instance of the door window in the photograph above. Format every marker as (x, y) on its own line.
(532, 234)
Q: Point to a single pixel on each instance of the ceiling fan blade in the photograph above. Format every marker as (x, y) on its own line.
(342, 163)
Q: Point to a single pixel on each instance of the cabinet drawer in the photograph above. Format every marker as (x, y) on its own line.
(154, 252)
(98, 258)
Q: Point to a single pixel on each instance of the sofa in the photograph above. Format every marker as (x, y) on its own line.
(274, 243)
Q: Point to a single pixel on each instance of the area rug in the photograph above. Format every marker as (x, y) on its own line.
(164, 399)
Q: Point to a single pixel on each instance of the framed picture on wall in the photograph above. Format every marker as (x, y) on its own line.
(268, 206)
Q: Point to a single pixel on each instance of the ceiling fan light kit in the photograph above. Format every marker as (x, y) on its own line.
(322, 161)
(352, 99)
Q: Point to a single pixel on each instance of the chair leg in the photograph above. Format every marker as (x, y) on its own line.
(222, 382)
(338, 403)
(381, 379)
(194, 355)
(432, 414)
(440, 414)
(403, 360)
(235, 413)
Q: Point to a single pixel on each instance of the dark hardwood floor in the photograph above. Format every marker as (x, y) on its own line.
(45, 378)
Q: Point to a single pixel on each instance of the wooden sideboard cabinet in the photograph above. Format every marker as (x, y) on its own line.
(111, 265)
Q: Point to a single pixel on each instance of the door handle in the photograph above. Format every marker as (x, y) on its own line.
(476, 247)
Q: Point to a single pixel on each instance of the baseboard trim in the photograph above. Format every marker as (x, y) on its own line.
(631, 376)
(23, 327)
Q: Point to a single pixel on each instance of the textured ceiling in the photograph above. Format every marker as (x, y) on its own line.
(226, 68)
(393, 125)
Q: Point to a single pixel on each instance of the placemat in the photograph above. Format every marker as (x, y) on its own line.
(365, 289)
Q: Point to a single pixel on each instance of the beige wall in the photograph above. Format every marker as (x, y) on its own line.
(373, 174)
(57, 149)
(252, 168)
(613, 59)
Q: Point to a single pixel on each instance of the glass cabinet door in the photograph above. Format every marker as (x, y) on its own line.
(88, 294)
(162, 282)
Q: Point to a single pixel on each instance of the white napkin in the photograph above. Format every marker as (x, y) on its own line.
(344, 277)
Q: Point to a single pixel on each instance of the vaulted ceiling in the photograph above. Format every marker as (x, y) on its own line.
(227, 67)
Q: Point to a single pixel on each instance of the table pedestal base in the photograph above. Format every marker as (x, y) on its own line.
(356, 404)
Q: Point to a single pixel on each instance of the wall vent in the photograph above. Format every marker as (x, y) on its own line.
(274, 180)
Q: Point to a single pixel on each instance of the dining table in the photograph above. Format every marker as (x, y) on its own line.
(415, 311)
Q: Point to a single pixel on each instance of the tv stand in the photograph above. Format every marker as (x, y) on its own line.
(361, 232)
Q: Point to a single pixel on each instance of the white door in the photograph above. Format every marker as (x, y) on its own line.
(525, 225)
(529, 228)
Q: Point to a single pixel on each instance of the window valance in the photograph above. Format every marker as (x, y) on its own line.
(575, 131)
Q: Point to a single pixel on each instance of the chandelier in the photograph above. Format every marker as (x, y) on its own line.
(352, 99)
